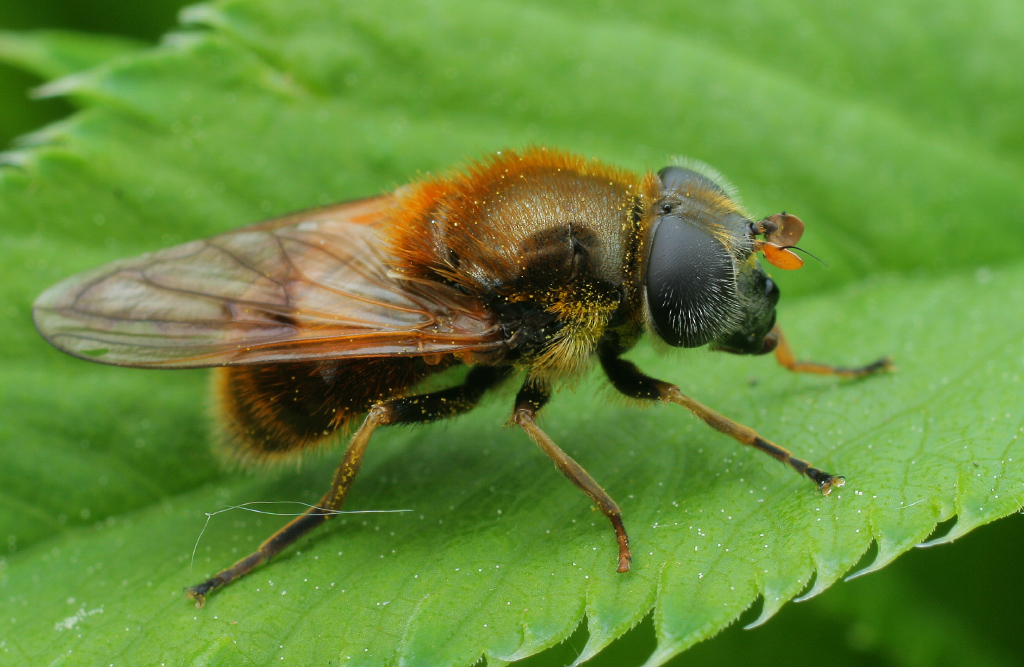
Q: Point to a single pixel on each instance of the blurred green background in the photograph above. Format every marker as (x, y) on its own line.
(973, 589)
(140, 20)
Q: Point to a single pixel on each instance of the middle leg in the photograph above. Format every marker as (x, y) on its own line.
(530, 400)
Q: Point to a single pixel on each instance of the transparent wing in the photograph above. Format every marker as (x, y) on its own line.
(312, 285)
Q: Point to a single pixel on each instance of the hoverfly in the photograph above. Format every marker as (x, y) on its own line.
(529, 263)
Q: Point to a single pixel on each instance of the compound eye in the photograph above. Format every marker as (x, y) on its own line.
(771, 291)
(677, 179)
(691, 284)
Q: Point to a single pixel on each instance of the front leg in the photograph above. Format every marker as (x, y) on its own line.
(784, 355)
(631, 381)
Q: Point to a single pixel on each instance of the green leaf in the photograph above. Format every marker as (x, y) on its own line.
(268, 106)
(930, 607)
(57, 53)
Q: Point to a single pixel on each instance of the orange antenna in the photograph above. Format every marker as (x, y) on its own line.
(787, 229)
(781, 257)
(782, 232)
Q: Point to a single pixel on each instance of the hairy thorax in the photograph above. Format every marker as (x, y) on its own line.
(543, 239)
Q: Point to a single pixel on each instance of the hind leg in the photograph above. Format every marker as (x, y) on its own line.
(409, 410)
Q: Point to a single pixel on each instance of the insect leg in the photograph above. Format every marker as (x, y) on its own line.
(784, 355)
(529, 401)
(311, 518)
(407, 410)
(631, 381)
